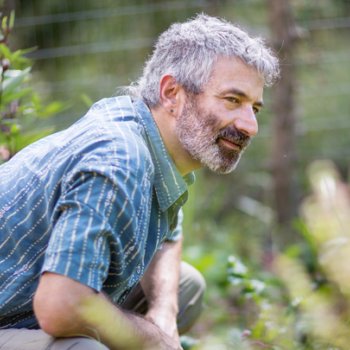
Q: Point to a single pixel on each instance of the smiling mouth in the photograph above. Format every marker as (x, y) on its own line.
(229, 144)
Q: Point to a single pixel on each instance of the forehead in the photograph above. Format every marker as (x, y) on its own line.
(231, 73)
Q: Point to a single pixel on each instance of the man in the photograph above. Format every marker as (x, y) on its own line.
(90, 217)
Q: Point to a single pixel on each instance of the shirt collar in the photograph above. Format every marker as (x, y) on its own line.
(169, 184)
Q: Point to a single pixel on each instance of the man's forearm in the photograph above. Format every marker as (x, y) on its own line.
(161, 280)
(66, 308)
(160, 284)
(120, 329)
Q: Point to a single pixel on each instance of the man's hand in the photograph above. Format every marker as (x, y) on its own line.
(166, 322)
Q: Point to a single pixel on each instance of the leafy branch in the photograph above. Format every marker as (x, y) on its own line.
(20, 106)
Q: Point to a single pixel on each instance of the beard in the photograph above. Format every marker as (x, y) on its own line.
(199, 135)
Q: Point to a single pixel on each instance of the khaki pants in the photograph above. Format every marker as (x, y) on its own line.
(191, 291)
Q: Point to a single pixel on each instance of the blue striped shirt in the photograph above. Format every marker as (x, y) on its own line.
(93, 202)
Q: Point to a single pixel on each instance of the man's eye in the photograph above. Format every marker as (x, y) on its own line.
(232, 99)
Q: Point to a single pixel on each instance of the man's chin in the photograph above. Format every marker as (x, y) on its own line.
(224, 168)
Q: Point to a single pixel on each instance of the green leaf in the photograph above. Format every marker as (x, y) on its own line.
(236, 268)
(12, 19)
(86, 100)
(4, 23)
(15, 128)
(254, 286)
(10, 96)
(235, 281)
(14, 78)
(18, 56)
(50, 109)
(5, 51)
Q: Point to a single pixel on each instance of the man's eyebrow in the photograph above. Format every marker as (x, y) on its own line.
(243, 95)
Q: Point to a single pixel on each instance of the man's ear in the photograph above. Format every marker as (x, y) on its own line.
(171, 94)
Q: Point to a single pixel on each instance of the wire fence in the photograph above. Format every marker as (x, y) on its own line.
(84, 47)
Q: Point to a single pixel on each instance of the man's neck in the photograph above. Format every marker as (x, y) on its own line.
(166, 123)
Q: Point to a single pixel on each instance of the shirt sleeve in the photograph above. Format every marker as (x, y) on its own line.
(94, 205)
(176, 233)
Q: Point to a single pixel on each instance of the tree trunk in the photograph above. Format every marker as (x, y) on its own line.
(283, 32)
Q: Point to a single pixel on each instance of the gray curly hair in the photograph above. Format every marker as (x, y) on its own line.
(188, 50)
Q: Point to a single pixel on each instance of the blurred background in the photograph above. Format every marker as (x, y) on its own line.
(238, 226)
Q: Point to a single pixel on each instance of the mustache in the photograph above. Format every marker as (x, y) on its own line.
(235, 136)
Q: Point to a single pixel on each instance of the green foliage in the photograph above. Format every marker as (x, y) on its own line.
(22, 111)
(324, 307)
(303, 300)
(239, 276)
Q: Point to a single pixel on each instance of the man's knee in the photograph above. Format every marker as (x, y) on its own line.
(77, 343)
(26, 339)
(192, 287)
(192, 282)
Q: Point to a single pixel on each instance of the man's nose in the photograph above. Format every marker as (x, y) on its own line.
(246, 121)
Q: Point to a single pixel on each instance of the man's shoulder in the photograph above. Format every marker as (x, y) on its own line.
(119, 107)
(112, 132)
(114, 117)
